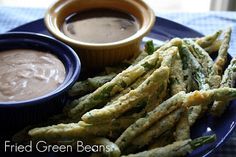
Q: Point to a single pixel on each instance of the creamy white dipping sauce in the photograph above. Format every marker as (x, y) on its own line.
(27, 74)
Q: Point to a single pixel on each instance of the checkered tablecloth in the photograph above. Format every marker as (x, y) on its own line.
(205, 23)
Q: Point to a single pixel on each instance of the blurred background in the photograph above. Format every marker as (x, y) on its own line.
(169, 5)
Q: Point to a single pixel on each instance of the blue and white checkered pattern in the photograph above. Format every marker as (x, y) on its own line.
(205, 23)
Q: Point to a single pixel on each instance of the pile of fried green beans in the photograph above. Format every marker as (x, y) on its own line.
(147, 105)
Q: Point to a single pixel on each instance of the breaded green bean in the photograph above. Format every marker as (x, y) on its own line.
(98, 81)
(208, 40)
(228, 80)
(214, 47)
(137, 83)
(177, 83)
(125, 64)
(222, 54)
(201, 56)
(163, 140)
(157, 98)
(82, 129)
(59, 131)
(144, 123)
(149, 47)
(111, 128)
(168, 56)
(130, 99)
(111, 148)
(208, 96)
(165, 124)
(84, 87)
(176, 149)
(193, 114)
(70, 106)
(187, 74)
(81, 88)
(182, 131)
(103, 94)
(197, 71)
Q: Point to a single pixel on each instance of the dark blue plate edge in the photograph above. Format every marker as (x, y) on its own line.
(42, 29)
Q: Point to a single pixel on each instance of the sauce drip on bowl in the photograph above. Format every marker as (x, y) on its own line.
(100, 26)
(27, 74)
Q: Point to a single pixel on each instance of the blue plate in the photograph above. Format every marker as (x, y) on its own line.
(164, 30)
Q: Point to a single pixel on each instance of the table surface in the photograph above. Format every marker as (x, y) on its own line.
(205, 23)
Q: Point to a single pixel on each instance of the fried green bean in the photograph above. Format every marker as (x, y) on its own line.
(205, 97)
(228, 80)
(103, 94)
(137, 83)
(98, 81)
(179, 148)
(149, 47)
(165, 124)
(201, 56)
(157, 98)
(168, 56)
(197, 71)
(59, 131)
(182, 131)
(144, 123)
(214, 47)
(193, 114)
(187, 74)
(130, 99)
(70, 106)
(177, 83)
(84, 87)
(111, 148)
(208, 40)
(70, 130)
(111, 128)
(163, 140)
(81, 88)
(222, 54)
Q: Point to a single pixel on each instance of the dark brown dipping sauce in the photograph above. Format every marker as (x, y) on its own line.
(100, 26)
